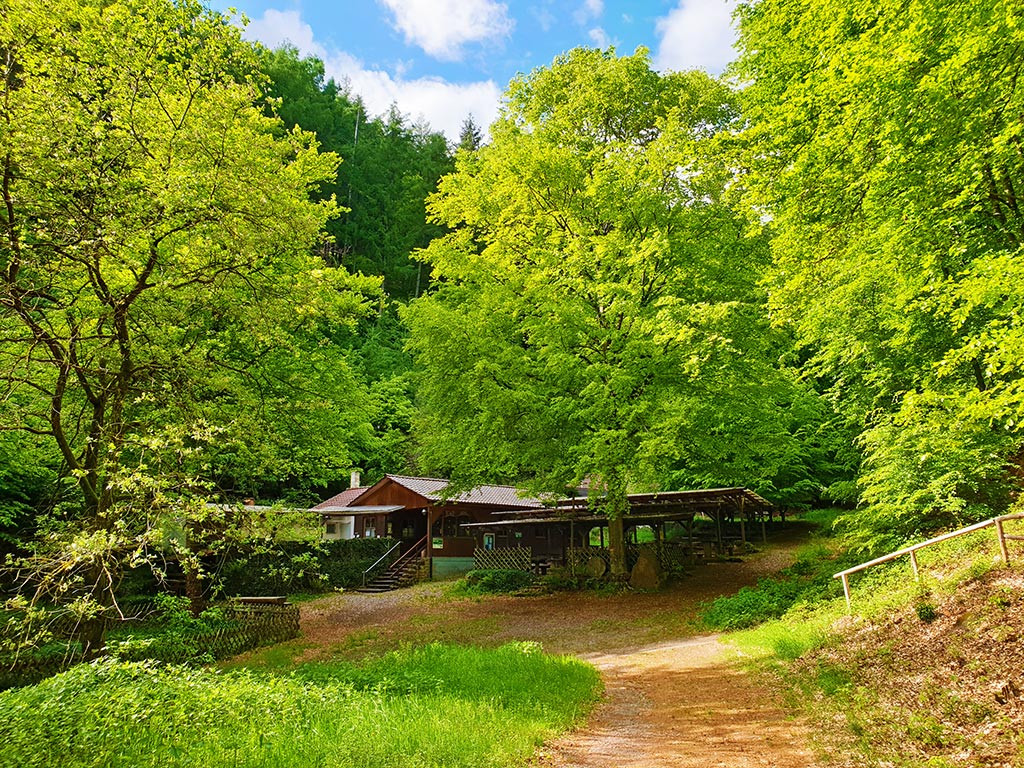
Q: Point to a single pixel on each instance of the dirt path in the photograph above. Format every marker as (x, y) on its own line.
(672, 697)
(681, 704)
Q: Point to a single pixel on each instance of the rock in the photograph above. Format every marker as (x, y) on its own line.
(646, 573)
(596, 567)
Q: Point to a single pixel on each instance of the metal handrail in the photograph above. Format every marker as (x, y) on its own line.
(912, 550)
(380, 560)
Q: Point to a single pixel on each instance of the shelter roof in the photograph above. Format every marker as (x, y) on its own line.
(664, 504)
(367, 510)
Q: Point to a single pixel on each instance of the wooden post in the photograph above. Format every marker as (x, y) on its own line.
(743, 533)
(1001, 535)
(913, 564)
(572, 545)
(846, 591)
(764, 531)
(689, 539)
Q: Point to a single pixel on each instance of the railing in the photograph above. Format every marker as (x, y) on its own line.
(1001, 535)
(412, 552)
(380, 560)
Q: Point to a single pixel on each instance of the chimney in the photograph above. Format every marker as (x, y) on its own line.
(354, 479)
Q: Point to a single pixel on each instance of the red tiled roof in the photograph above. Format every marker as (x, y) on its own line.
(343, 499)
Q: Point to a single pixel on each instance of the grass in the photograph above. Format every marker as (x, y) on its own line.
(424, 707)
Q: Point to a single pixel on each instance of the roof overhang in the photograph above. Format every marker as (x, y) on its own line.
(350, 511)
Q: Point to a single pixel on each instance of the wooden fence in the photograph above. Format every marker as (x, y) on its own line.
(1001, 536)
(245, 627)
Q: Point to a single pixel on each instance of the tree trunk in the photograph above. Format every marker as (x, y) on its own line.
(617, 547)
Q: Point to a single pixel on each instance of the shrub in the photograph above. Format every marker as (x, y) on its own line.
(490, 581)
(301, 567)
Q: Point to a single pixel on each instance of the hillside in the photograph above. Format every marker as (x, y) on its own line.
(939, 683)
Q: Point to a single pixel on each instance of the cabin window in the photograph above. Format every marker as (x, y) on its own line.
(488, 541)
(370, 529)
(453, 523)
(332, 529)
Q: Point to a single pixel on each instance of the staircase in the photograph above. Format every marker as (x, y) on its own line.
(401, 573)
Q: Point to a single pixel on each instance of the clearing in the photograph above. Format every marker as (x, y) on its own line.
(672, 697)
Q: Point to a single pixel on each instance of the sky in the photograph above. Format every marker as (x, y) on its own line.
(443, 60)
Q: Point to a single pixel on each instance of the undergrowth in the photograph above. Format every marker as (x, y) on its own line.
(430, 706)
(492, 581)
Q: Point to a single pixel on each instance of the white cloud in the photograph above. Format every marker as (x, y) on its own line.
(278, 27)
(544, 18)
(442, 104)
(599, 37)
(442, 27)
(590, 9)
(698, 34)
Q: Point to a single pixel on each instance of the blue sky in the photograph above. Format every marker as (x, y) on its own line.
(441, 60)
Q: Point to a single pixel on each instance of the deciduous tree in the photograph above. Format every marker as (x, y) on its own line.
(885, 154)
(156, 232)
(597, 313)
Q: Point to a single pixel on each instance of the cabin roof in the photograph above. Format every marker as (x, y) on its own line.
(433, 488)
(341, 500)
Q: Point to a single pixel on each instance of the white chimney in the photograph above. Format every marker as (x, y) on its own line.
(354, 479)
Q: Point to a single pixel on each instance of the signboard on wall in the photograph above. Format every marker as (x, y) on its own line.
(437, 543)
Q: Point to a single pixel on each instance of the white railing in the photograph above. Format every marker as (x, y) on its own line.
(1001, 535)
(380, 560)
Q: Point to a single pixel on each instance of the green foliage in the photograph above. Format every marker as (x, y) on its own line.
(388, 170)
(434, 705)
(805, 583)
(173, 635)
(289, 567)
(194, 301)
(598, 311)
(482, 582)
(926, 612)
(27, 475)
(883, 157)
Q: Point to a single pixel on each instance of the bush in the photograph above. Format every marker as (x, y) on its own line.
(808, 580)
(926, 612)
(301, 567)
(491, 581)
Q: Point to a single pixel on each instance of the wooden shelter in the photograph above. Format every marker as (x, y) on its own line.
(561, 533)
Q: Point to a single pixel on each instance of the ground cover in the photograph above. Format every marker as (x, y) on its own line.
(430, 706)
(922, 673)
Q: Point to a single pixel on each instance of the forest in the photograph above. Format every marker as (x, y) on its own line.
(221, 278)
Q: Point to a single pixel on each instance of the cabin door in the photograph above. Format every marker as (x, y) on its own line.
(409, 526)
